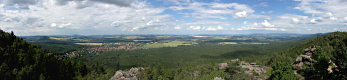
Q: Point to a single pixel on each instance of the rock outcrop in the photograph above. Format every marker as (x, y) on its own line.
(305, 58)
(222, 65)
(218, 78)
(127, 75)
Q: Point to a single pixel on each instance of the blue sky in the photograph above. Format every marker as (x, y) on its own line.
(100, 17)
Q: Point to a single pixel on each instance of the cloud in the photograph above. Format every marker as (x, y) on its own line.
(266, 24)
(263, 4)
(295, 21)
(194, 28)
(87, 3)
(323, 8)
(115, 24)
(242, 14)
(245, 22)
(213, 28)
(65, 25)
(53, 25)
(177, 27)
(21, 4)
(213, 10)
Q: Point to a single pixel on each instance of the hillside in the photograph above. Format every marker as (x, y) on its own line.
(22, 60)
(331, 46)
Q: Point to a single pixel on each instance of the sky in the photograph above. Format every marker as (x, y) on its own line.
(112, 17)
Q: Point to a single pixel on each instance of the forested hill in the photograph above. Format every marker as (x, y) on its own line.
(24, 61)
(330, 46)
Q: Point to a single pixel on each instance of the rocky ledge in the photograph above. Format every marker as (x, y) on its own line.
(305, 58)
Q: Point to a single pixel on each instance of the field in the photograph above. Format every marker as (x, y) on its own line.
(228, 43)
(168, 44)
(134, 37)
(90, 44)
(59, 38)
(219, 38)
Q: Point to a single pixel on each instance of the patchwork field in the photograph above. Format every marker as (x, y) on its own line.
(168, 44)
(134, 37)
(90, 44)
(228, 43)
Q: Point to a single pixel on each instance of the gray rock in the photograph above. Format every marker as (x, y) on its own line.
(222, 65)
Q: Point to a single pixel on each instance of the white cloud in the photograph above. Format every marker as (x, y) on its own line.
(333, 18)
(255, 24)
(65, 25)
(323, 8)
(242, 14)
(263, 4)
(295, 21)
(194, 27)
(214, 10)
(53, 25)
(266, 24)
(213, 28)
(219, 27)
(177, 27)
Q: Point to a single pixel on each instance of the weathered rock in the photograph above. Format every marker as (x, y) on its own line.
(127, 75)
(305, 58)
(218, 78)
(298, 59)
(222, 65)
(308, 63)
(196, 73)
(298, 66)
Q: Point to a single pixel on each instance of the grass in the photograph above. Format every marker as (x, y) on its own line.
(169, 44)
(90, 44)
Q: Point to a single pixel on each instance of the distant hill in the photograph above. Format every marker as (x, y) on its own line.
(331, 46)
(22, 60)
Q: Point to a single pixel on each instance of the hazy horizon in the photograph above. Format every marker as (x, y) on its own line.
(170, 17)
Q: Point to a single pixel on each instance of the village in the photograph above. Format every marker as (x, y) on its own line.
(96, 49)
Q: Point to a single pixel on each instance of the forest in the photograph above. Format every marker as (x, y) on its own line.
(57, 58)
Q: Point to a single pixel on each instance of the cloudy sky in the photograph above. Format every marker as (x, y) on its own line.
(100, 17)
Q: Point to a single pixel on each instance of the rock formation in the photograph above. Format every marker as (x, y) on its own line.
(127, 75)
(218, 78)
(222, 65)
(305, 58)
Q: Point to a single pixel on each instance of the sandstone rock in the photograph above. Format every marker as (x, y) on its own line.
(222, 65)
(196, 73)
(218, 78)
(127, 75)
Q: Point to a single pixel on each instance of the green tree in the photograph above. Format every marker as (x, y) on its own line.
(340, 59)
(282, 71)
(322, 64)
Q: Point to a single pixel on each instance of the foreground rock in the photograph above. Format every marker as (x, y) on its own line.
(305, 58)
(127, 75)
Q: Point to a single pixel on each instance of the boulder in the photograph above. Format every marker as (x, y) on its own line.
(127, 75)
(298, 59)
(298, 66)
(222, 65)
(218, 78)
(196, 73)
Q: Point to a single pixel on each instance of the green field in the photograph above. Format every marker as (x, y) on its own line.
(168, 44)
(229, 43)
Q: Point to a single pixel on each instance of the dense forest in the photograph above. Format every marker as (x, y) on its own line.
(24, 61)
(331, 46)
